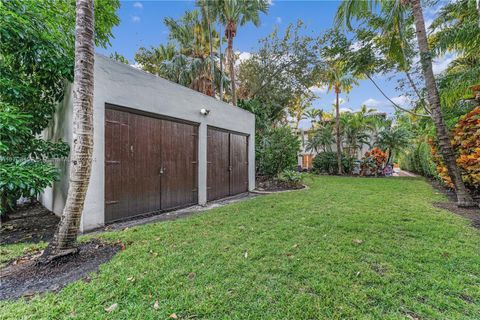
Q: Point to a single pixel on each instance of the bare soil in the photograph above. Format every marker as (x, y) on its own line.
(268, 184)
(473, 214)
(30, 223)
(24, 277)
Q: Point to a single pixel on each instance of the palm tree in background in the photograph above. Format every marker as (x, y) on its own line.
(207, 13)
(322, 138)
(315, 115)
(338, 78)
(356, 132)
(196, 42)
(64, 240)
(393, 140)
(232, 13)
(393, 11)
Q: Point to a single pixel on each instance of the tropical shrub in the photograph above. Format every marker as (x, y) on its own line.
(418, 159)
(36, 61)
(25, 178)
(292, 178)
(466, 142)
(24, 167)
(326, 162)
(277, 151)
(373, 162)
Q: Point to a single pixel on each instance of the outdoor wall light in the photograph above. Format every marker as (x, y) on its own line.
(204, 111)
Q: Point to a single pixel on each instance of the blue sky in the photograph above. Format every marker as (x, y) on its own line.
(142, 25)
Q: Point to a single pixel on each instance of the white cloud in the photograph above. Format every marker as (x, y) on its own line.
(355, 46)
(242, 56)
(136, 19)
(440, 64)
(318, 89)
(278, 20)
(343, 110)
(270, 2)
(374, 103)
(340, 101)
(138, 5)
(402, 101)
(136, 65)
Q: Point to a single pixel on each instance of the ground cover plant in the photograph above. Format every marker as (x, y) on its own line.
(344, 248)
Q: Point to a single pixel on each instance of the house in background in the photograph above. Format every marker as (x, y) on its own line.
(306, 156)
(157, 146)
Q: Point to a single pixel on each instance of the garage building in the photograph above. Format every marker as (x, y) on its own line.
(158, 146)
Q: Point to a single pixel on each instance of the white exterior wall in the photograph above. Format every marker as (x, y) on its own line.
(125, 86)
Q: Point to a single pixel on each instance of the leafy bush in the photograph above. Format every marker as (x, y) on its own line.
(292, 178)
(277, 151)
(24, 170)
(418, 159)
(373, 162)
(326, 162)
(466, 142)
(23, 179)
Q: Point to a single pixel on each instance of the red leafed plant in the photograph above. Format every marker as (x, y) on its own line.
(373, 162)
(466, 142)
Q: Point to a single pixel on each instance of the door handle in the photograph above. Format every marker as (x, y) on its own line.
(161, 170)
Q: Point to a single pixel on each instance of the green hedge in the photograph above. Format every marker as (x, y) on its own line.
(418, 159)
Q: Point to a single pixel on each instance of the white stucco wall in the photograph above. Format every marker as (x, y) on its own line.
(125, 86)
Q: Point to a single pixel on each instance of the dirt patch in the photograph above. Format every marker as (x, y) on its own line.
(268, 184)
(25, 277)
(30, 223)
(473, 214)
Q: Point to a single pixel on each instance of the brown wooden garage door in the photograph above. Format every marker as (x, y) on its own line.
(227, 159)
(150, 164)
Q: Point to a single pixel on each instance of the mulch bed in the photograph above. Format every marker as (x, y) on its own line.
(25, 276)
(272, 185)
(30, 223)
(473, 214)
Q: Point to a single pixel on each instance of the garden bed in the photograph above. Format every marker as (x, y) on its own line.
(265, 184)
(473, 214)
(25, 276)
(30, 223)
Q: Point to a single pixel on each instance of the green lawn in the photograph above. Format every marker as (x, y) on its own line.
(345, 248)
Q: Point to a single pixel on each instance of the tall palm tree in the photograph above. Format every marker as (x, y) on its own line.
(207, 13)
(196, 42)
(81, 153)
(232, 13)
(338, 78)
(391, 9)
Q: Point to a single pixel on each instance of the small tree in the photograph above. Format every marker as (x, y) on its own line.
(277, 151)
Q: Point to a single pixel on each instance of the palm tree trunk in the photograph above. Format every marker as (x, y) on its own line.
(221, 63)
(81, 155)
(337, 129)
(231, 64)
(212, 66)
(443, 135)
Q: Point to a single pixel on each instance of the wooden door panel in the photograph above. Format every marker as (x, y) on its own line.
(116, 164)
(145, 148)
(238, 164)
(218, 162)
(132, 160)
(179, 164)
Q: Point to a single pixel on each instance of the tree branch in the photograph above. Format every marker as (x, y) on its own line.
(393, 103)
